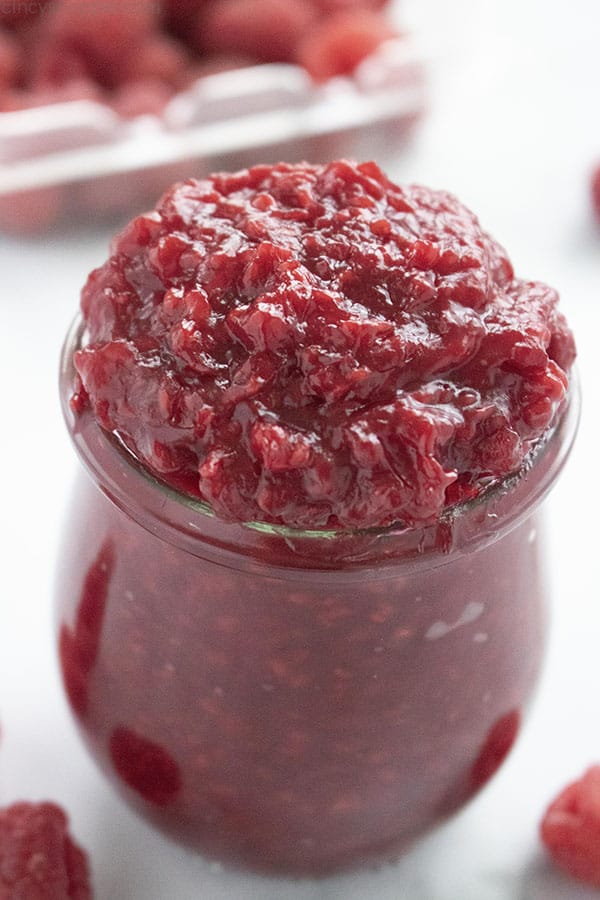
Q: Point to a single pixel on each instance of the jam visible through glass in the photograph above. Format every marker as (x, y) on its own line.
(305, 348)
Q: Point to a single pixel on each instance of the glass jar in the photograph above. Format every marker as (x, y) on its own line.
(296, 702)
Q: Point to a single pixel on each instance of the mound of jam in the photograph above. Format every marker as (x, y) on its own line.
(317, 347)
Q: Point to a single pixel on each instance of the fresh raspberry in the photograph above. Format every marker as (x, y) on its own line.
(104, 32)
(596, 192)
(340, 43)
(570, 828)
(158, 58)
(10, 59)
(50, 45)
(55, 65)
(77, 89)
(147, 97)
(267, 30)
(79, 646)
(38, 858)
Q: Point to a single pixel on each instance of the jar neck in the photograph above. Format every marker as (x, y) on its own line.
(189, 524)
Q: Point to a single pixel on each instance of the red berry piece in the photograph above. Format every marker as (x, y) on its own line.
(79, 646)
(339, 44)
(38, 858)
(267, 30)
(570, 828)
(145, 766)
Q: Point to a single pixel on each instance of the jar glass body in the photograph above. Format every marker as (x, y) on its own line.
(297, 702)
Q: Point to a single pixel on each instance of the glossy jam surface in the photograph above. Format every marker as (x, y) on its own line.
(135, 56)
(318, 347)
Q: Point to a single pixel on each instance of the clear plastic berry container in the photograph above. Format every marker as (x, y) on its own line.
(80, 161)
(297, 702)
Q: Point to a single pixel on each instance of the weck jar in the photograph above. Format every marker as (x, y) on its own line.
(301, 601)
(296, 701)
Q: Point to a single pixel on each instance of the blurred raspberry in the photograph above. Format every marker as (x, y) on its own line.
(339, 44)
(54, 65)
(30, 212)
(145, 766)
(109, 197)
(212, 65)
(158, 58)
(77, 89)
(79, 645)
(104, 24)
(145, 97)
(38, 859)
(112, 44)
(19, 12)
(104, 32)
(570, 828)
(267, 30)
(596, 192)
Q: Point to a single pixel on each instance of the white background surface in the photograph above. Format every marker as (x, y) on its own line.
(513, 130)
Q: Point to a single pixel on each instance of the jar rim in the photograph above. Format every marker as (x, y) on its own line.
(106, 443)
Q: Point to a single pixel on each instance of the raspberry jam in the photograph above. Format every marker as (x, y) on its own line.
(300, 602)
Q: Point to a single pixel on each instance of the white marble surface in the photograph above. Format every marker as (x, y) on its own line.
(513, 130)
